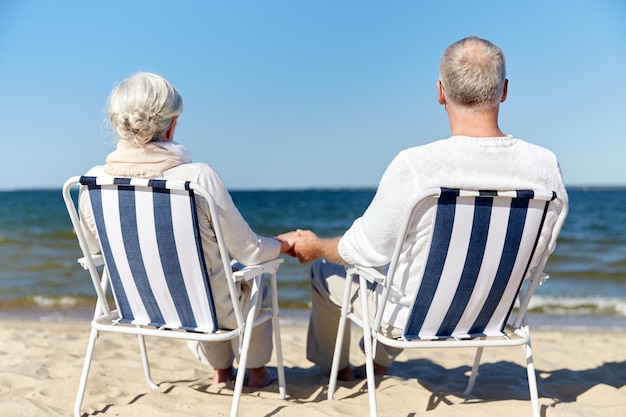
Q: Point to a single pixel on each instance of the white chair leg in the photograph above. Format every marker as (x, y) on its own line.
(532, 380)
(146, 364)
(334, 370)
(369, 351)
(82, 385)
(341, 328)
(243, 359)
(474, 374)
(282, 386)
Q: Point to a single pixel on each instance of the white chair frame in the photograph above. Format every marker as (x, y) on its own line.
(516, 333)
(105, 317)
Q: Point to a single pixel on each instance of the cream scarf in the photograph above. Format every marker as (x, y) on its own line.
(145, 161)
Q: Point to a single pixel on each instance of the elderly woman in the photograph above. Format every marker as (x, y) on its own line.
(143, 111)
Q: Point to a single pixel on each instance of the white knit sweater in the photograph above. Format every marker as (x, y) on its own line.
(502, 163)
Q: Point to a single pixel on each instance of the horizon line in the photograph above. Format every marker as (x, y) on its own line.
(324, 188)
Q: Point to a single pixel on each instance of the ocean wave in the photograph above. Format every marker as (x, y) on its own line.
(578, 305)
(46, 302)
(64, 301)
(558, 306)
(7, 241)
(603, 273)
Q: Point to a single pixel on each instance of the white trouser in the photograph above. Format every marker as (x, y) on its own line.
(220, 355)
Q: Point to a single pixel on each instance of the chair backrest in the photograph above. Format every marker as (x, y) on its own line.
(149, 235)
(482, 244)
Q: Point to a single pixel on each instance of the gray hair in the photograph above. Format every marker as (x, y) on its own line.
(142, 108)
(472, 72)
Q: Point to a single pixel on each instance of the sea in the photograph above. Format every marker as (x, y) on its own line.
(40, 279)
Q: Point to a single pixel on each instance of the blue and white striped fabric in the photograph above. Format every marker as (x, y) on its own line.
(149, 238)
(481, 248)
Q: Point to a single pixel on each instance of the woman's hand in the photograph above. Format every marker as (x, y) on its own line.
(287, 241)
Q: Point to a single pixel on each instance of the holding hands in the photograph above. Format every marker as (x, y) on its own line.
(307, 247)
(287, 242)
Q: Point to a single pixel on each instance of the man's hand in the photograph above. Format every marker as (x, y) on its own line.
(309, 247)
(306, 247)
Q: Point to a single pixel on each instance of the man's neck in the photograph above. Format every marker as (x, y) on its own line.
(474, 124)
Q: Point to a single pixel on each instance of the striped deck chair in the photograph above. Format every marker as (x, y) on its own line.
(153, 260)
(487, 254)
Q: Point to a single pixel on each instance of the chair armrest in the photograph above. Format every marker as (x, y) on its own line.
(97, 261)
(370, 274)
(251, 271)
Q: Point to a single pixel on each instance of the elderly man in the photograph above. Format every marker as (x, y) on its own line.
(472, 84)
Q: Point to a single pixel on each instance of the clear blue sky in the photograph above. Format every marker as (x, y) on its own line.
(318, 93)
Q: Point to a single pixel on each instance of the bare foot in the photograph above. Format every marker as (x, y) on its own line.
(223, 375)
(345, 374)
(360, 371)
(260, 377)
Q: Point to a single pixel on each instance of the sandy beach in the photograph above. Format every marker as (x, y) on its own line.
(579, 374)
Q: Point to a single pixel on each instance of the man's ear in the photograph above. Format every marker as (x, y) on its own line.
(505, 90)
(441, 97)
